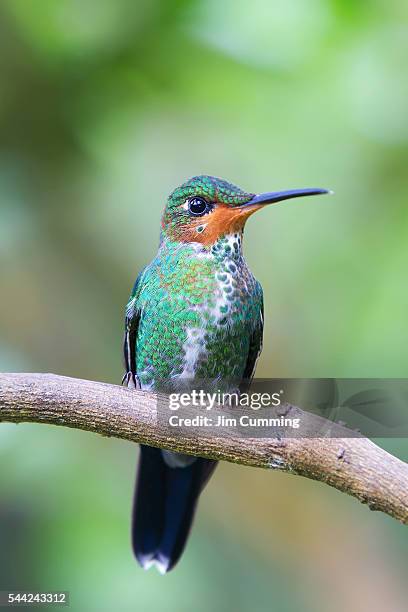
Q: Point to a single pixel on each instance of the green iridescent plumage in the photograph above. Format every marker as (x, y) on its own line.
(198, 308)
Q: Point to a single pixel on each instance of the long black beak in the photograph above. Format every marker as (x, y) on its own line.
(277, 196)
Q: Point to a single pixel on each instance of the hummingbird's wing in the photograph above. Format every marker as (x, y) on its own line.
(255, 344)
(132, 321)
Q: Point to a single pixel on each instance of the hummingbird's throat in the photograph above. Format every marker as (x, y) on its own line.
(209, 229)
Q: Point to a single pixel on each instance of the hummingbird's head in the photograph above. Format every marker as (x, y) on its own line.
(204, 208)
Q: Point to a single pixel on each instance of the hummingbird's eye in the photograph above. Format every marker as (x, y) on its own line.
(198, 206)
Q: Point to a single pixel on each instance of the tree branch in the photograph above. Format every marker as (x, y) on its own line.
(351, 464)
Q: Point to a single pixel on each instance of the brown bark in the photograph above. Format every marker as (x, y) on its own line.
(351, 464)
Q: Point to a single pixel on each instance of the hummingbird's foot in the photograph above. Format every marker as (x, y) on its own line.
(131, 381)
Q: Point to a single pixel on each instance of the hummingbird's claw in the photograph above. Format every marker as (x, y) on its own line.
(131, 380)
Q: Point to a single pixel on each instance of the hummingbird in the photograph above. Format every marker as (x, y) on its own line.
(195, 313)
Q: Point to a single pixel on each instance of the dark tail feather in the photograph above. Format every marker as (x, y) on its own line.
(164, 506)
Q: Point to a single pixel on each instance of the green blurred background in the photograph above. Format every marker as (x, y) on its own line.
(105, 107)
